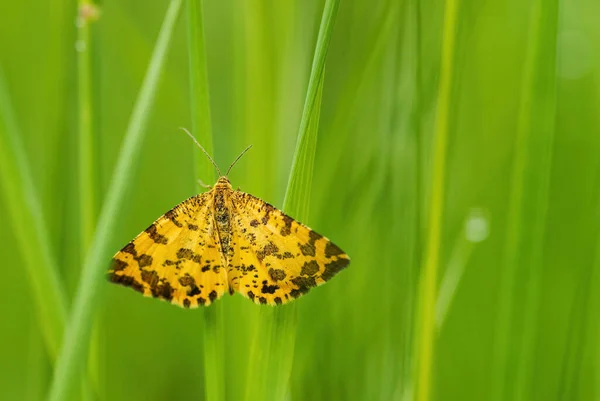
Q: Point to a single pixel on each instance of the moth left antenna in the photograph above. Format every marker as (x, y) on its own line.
(237, 158)
(200, 146)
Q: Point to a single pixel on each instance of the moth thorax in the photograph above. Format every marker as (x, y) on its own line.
(223, 221)
(223, 183)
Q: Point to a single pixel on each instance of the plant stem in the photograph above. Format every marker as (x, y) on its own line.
(296, 203)
(87, 13)
(87, 297)
(87, 182)
(300, 181)
(199, 89)
(28, 224)
(528, 203)
(428, 290)
(201, 125)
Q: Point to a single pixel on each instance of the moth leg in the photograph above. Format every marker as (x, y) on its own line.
(202, 184)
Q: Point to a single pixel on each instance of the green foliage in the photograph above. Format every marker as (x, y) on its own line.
(502, 220)
(79, 327)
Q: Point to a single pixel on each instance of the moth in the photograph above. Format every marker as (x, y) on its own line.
(225, 240)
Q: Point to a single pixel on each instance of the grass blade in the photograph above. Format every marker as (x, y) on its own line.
(30, 229)
(75, 344)
(300, 181)
(474, 231)
(214, 383)
(88, 209)
(296, 198)
(199, 90)
(279, 328)
(528, 202)
(283, 336)
(87, 182)
(428, 286)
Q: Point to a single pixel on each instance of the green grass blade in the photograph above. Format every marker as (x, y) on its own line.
(300, 180)
(85, 116)
(199, 90)
(88, 184)
(284, 319)
(299, 186)
(542, 114)
(30, 229)
(428, 286)
(528, 204)
(278, 330)
(297, 195)
(475, 230)
(259, 90)
(214, 383)
(87, 298)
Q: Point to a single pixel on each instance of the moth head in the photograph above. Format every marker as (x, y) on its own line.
(223, 182)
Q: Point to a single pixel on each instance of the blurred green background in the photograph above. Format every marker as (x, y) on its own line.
(517, 286)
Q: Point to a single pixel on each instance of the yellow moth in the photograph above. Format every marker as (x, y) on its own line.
(226, 241)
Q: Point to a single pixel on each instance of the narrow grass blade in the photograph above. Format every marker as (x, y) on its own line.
(260, 77)
(214, 382)
(361, 77)
(408, 187)
(199, 90)
(475, 230)
(580, 316)
(85, 116)
(298, 189)
(75, 344)
(542, 114)
(279, 330)
(37, 372)
(297, 195)
(283, 337)
(528, 203)
(28, 224)
(88, 207)
(428, 286)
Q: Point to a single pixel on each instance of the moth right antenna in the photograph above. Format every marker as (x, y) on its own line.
(200, 146)
(237, 158)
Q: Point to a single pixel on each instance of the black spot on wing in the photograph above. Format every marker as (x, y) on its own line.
(130, 249)
(287, 227)
(194, 290)
(150, 277)
(184, 253)
(309, 268)
(155, 235)
(269, 249)
(126, 281)
(307, 249)
(144, 260)
(277, 274)
(304, 283)
(187, 280)
(163, 290)
(172, 216)
(118, 265)
(332, 250)
(269, 289)
(331, 269)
